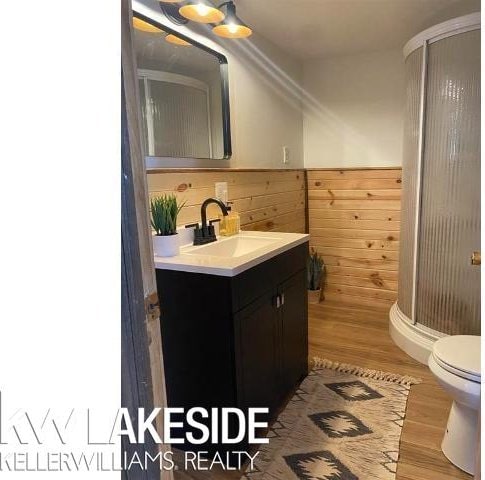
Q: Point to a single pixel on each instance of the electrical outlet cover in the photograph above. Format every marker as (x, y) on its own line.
(286, 155)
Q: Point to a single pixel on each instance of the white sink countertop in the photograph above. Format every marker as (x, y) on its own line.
(229, 256)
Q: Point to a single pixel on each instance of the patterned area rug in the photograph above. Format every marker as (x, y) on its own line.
(343, 423)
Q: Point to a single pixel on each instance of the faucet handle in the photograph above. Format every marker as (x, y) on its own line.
(192, 225)
(211, 231)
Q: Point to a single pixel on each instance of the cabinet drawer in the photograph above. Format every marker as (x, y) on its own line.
(261, 279)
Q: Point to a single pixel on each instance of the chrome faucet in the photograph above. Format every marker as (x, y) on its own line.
(206, 233)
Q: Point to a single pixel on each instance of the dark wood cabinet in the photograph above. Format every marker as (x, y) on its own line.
(256, 353)
(272, 344)
(235, 341)
(293, 338)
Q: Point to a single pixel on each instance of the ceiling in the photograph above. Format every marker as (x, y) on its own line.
(309, 29)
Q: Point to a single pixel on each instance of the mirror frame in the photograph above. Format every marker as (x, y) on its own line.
(153, 163)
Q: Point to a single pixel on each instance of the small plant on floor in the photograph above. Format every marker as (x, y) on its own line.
(315, 270)
(164, 212)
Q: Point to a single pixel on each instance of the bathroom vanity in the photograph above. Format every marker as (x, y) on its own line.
(234, 321)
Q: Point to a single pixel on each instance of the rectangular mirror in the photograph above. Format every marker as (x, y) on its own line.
(184, 98)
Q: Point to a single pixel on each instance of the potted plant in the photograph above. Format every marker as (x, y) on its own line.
(315, 271)
(164, 211)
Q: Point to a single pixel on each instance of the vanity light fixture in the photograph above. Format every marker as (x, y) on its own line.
(143, 26)
(201, 11)
(224, 24)
(170, 38)
(232, 26)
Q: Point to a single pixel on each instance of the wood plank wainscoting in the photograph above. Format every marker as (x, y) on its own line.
(268, 200)
(354, 217)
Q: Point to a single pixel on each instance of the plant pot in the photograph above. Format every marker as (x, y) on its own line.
(314, 296)
(166, 245)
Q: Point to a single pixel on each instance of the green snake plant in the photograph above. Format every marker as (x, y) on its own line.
(164, 211)
(315, 270)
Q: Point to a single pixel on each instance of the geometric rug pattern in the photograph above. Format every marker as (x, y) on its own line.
(337, 426)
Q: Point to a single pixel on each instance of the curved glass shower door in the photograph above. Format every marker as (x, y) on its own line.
(448, 285)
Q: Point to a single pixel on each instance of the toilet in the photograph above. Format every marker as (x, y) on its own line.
(455, 362)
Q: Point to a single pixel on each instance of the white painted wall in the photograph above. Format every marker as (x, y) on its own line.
(339, 112)
(353, 110)
(266, 111)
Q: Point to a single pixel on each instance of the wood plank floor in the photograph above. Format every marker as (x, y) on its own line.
(359, 335)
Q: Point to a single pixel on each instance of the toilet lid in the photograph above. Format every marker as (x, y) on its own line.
(459, 354)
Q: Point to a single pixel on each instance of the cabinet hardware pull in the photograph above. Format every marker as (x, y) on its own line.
(278, 301)
(282, 299)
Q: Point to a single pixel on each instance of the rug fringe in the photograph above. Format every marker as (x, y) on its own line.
(365, 372)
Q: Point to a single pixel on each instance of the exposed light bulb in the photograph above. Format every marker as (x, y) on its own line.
(202, 9)
(232, 28)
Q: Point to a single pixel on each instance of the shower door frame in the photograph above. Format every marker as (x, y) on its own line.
(434, 34)
(414, 338)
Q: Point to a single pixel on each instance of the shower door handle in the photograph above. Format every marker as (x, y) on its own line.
(476, 258)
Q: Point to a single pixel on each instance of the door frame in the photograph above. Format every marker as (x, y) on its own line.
(142, 373)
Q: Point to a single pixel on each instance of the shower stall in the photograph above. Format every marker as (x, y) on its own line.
(439, 273)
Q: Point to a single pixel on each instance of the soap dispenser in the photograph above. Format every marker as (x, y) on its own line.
(230, 224)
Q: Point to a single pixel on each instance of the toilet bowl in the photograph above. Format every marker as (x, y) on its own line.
(455, 362)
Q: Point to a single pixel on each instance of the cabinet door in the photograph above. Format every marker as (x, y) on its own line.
(293, 331)
(256, 353)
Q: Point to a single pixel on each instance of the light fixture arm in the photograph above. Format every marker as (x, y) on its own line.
(171, 11)
(230, 9)
(226, 3)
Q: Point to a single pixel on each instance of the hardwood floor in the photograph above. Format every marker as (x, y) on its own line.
(359, 335)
